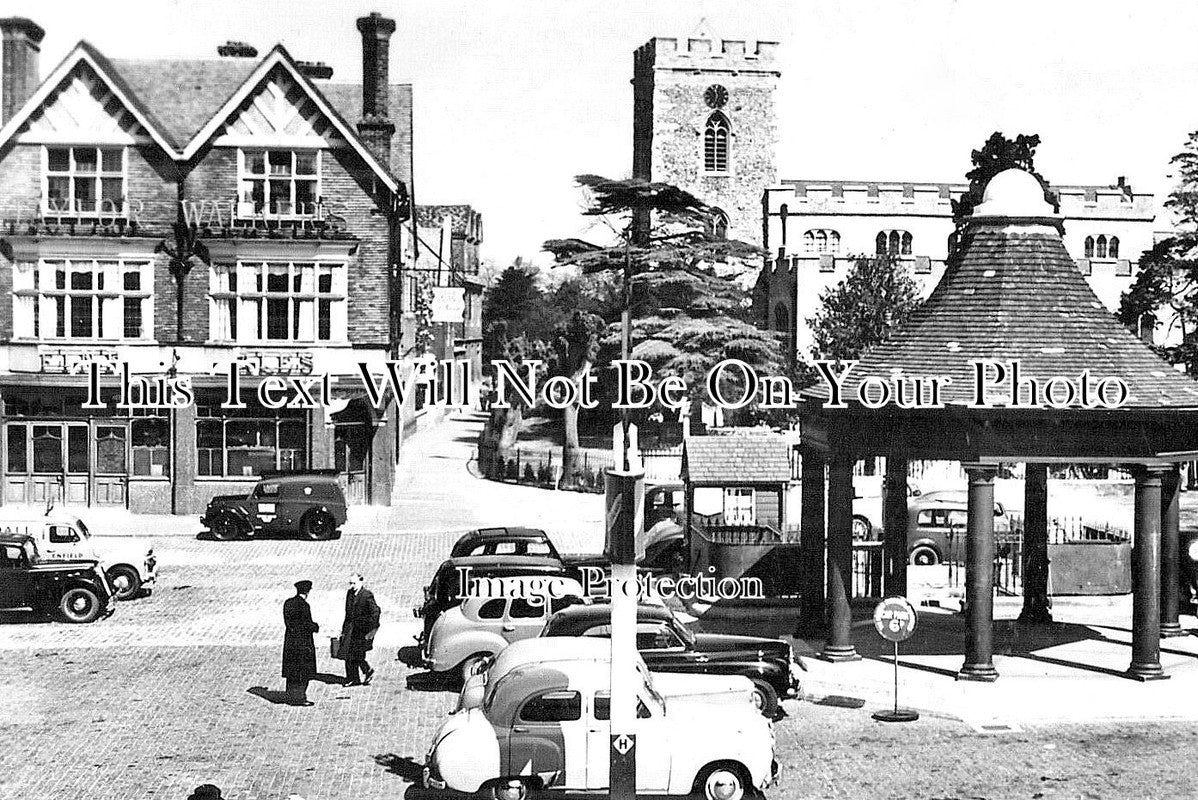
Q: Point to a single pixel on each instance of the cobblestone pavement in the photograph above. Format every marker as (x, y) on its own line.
(176, 689)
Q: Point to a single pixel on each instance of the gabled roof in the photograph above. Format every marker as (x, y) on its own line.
(85, 52)
(736, 459)
(181, 103)
(1014, 293)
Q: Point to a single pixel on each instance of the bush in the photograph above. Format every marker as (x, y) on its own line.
(528, 475)
(513, 470)
(544, 474)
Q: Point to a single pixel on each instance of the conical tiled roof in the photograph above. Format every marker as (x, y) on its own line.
(1014, 293)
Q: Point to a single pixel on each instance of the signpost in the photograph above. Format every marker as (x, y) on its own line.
(894, 618)
(625, 515)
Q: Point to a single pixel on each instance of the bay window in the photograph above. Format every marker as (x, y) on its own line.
(278, 301)
(82, 299)
(84, 182)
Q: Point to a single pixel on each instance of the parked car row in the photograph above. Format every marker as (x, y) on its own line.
(534, 708)
(73, 590)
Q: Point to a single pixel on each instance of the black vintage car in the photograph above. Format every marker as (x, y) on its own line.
(309, 503)
(515, 541)
(74, 591)
(669, 646)
(445, 589)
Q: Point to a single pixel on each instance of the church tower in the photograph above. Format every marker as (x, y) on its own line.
(704, 120)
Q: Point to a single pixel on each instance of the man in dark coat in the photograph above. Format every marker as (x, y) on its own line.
(299, 650)
(358, 630)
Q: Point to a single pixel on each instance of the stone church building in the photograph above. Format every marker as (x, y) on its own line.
(705, 119)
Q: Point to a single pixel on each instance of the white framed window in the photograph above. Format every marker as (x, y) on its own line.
(83, 182)
(278, 301)
(109, 299)
(740, 507)
(278, 184)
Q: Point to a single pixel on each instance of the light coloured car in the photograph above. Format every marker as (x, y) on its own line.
(129, 564)
(546, 725)
(481, 626)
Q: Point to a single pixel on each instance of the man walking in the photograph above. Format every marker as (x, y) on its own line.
(299, 649)
(358, 630)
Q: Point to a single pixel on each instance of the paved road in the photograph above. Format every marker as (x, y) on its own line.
(177, 689)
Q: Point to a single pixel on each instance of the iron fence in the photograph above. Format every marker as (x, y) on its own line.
(544, 467)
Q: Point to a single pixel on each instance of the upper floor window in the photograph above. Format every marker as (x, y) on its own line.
(83, 299)
(893, 243)
(84, 182)
(821, 241)
(278, 301)
(278, 183)
(1101, 246)
(716, 143)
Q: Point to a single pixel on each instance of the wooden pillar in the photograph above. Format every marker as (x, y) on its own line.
(979, 576)
(839, 644)
(1170, 552)
(894, 526)
(1146, 578)
(812, 615)
(1035, 545)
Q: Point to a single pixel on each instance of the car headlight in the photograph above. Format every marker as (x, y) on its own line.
(1192, 550)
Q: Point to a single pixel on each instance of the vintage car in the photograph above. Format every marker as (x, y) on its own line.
(669, 646)
(130, 564)
(467, 634)
(936, 527)
(444, 591)
(547, 725)
(309, 503)
(515, 541)
(74, 591)
(1188, 560)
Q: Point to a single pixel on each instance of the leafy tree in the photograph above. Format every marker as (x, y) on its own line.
(1168, 274)
(686, 317)
(876, 296)
(997, 155)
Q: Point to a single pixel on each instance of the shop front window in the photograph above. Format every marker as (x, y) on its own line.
(110, 450)
(249, 446)
(151, 439)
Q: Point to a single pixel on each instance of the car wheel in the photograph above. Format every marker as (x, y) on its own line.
(226, 527)
(765, 698)
(469, 665)
(861, 529)
(126, 583)
(721, 782)
(79, 604)
(513, 789)
(318, 525)
(925, 556)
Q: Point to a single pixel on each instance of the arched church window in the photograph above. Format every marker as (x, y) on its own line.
(1100, 247)
(809, 242)
(1089, 248)
(1112, 248)
(906, 246)
(716, 139)
(719, 224)
(1146, 325)
(893, 243)
(880, 243)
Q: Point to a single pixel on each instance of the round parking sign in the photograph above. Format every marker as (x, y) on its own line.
(894, 618)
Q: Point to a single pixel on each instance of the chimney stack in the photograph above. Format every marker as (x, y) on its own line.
(21, 46)
(375, 127)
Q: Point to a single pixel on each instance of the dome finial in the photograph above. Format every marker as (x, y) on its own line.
(1014, 193)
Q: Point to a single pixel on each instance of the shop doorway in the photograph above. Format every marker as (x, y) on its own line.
(67, 463)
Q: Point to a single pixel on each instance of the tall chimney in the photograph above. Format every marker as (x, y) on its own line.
(22, 44)
(375, 127)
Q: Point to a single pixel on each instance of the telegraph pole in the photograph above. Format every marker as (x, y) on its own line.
(625, 519)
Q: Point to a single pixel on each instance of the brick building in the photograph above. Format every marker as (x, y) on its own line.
(164, 220)
(447, 244)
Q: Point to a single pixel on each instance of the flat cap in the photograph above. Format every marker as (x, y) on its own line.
(303, 587)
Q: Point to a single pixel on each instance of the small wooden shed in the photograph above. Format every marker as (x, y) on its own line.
(735, 495)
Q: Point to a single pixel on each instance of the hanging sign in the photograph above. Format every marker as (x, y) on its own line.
(449, 305)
